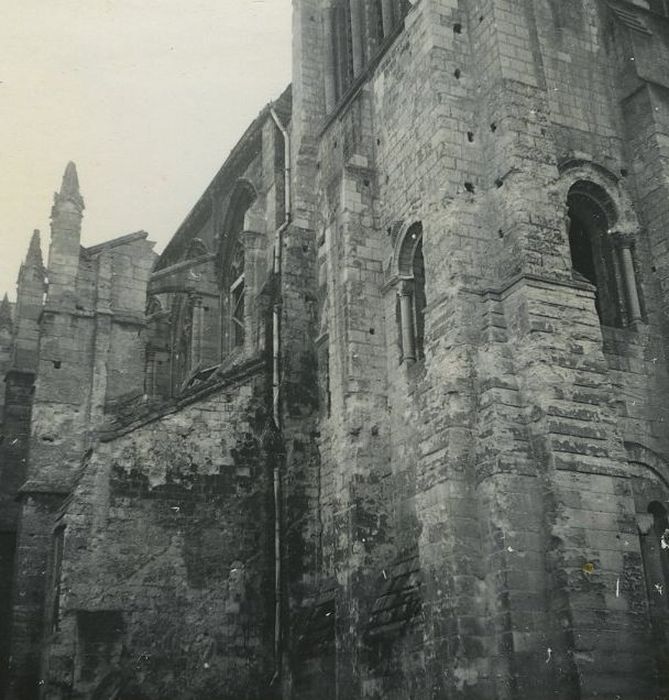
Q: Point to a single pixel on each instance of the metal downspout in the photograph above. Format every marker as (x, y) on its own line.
(276, 384)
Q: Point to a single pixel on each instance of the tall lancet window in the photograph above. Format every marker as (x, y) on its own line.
(237, 295)
(411, 294)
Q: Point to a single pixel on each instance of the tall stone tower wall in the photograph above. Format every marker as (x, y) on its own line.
(495, 479)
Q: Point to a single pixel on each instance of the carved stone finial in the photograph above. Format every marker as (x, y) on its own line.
(69, 189)
(34, 255)
(6, 314)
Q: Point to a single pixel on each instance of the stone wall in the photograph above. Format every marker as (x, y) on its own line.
(475, 123)
(165, 580)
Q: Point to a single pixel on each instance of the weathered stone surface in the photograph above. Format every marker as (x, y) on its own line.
(401, 434)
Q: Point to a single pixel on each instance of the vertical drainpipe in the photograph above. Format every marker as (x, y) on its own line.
(276, 384)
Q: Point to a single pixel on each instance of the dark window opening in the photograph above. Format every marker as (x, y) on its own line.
(580, 246)
(591, 215)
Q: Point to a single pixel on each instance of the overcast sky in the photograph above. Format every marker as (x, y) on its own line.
(146, 96)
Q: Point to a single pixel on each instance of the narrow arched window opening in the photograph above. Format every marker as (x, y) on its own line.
(591, 219)
(411, 295)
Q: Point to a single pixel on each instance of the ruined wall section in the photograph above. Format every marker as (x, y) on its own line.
(164, 586)
(122, 289)
(82, 336)
(18, 390)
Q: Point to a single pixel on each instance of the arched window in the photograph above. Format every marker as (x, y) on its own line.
(591, 218)
(411, 294)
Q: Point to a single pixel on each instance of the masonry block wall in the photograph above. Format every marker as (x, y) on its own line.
(501, 461)
(106, 352)
(70, 338)
(163, 579)
(456, 484)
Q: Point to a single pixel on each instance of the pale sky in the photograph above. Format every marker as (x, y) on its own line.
(147, 97)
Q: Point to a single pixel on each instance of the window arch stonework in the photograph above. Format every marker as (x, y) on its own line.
(409, 269)
(601, 231)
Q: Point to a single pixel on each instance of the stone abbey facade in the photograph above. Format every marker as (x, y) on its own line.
(388, 417)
